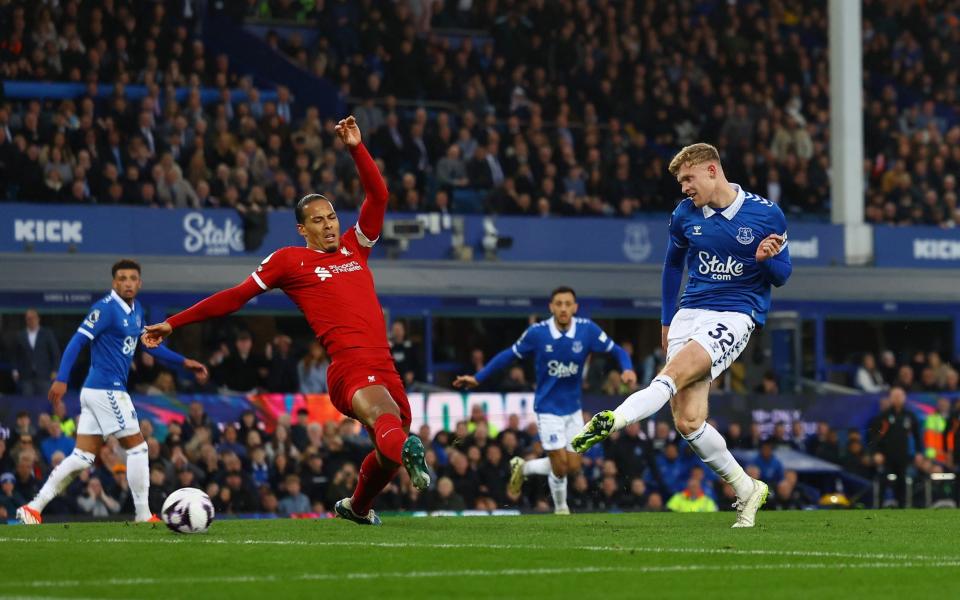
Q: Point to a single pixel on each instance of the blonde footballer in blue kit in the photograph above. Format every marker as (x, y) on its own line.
(735, 247)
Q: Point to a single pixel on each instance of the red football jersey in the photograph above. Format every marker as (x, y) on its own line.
(334, 290)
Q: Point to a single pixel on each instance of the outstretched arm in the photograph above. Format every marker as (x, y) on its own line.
(374, 206)
(627, 374)
(220, 304)
(498, 363)
(59, 387)
(176, 361)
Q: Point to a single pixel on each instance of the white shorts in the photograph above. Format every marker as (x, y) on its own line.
(106, 413)
(723, 335)
(557, 431)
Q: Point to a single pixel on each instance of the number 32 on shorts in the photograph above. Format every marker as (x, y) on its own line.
(725, 341)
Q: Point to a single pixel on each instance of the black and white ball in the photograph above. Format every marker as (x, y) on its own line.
(188, 510)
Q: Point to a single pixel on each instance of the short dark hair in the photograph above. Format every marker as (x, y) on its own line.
(304, 202)
(563, 289)
(124, 263)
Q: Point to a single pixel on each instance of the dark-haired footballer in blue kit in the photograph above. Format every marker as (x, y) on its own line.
(560, 347)
(734, 245)
(112, 329)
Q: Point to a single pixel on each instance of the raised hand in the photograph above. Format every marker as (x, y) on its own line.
(153, 335)
(770, 247)
(198, 369)
(467, 382)
(348, 131)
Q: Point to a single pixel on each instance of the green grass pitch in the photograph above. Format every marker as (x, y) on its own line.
(819, 555)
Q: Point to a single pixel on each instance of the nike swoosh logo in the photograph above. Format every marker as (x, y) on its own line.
(384, 434)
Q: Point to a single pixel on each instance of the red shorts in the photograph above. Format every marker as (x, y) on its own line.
(355, 369)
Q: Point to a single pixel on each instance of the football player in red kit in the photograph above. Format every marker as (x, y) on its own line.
(330, 281)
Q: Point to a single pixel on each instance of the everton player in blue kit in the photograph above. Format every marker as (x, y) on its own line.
(734, 244)
(112, 328)
(560, 346)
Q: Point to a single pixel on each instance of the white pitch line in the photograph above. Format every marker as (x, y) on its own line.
(46, 598)
(446, 546)
(138, 581)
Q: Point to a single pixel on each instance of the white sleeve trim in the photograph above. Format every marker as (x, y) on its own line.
(85, 332)
(362, 238)
(258, 280)
(609, 346)
(514, 348)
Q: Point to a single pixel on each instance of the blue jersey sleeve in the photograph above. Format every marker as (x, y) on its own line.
(70, 354)
(672, 268)
(96, 321)
(523, 347)
(166, 356)
(777, 270)
(601, 342)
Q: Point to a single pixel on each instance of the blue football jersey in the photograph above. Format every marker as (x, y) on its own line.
(113, 327)
(723, 273)
(559, 357)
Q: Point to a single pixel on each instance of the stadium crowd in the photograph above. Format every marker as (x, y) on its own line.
(245, 469)
(304, 467)
(566, 108)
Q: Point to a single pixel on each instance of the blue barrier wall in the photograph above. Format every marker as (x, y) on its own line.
(219, 232)
(917, 247)
(29, 90)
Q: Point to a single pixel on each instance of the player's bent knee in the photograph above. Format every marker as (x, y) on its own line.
(687, 426)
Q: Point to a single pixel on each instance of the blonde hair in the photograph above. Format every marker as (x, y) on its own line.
(692, 155)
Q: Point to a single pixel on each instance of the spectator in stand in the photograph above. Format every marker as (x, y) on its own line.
(406, 354)
(36, 356)
(312, 370)
(241, 370)
(634, 455)
(445, 497)
(198, 418)
(768, 385)
(691, 499)
(888, 367)
(282, 369)
(295, 502)
(96, 502)
(55, 442)
(10, 499)
(869, 378)
(905, 379)
(771, 469)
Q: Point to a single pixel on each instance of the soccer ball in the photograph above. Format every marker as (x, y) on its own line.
(187, 510)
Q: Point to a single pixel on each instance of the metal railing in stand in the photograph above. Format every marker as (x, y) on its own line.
(939, 478)
(892, 481)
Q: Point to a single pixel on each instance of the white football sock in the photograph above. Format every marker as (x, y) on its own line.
(558, 489)
(712, 449)
(644, 403)
(138, 475)
(61, 477)
(537, 466)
